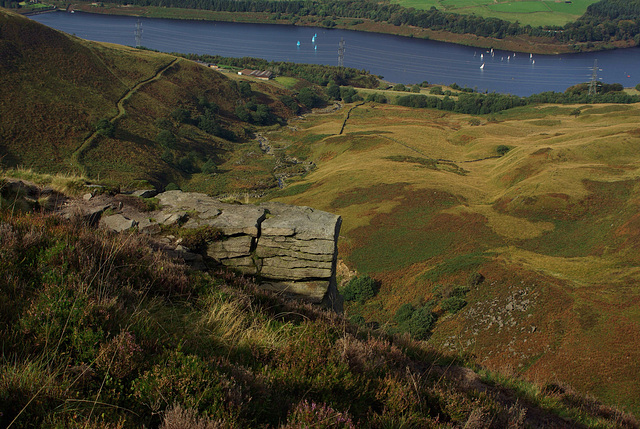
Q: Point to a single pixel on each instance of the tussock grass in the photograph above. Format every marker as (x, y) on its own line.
(65, 183)
(238, 326)
(563, 400)
(29, 384)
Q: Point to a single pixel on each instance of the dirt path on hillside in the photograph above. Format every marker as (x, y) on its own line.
(344, 123)
(76, 157)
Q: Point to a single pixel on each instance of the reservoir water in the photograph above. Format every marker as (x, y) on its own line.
(398, 59)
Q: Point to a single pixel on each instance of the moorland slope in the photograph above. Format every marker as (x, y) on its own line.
(115, 112)
(100, 331)
(517, 231)
(551, 227)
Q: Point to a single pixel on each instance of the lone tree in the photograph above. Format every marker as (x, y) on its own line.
(503, 149)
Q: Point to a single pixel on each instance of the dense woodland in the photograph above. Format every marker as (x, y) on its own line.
(605, 21)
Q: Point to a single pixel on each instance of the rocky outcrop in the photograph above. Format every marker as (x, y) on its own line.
(297, 249)
(291, 249)
(239, 225)
(26, 196)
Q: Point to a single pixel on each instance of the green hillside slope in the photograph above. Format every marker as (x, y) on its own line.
(510, 239)
(427, 202)
(118, 113)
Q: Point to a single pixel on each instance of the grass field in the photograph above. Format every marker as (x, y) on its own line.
(527, 12)
(552, 226)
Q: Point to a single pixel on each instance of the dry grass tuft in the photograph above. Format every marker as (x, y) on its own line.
(236, 324)
(179, 418)
(65, 183)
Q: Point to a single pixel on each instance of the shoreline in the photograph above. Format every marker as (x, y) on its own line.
(521, 44)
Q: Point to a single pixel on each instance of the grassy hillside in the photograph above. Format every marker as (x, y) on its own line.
(513, 235)
(99, 109)
(550, 225)
(99, 331)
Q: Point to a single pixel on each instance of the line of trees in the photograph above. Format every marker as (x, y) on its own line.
(481, 104)
(314, 73)
(606, 20)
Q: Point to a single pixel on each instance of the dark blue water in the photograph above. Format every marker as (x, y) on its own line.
(398, 59)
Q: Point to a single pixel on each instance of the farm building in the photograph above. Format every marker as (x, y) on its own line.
(260, 74)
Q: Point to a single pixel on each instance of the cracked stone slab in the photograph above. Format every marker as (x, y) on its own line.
(316, 246)
(117, 223)
(303, 222)
(289, 263)
(301, 273)
(270, 252)
(243, 264)
(233, 247)
(239, 219)
(203, 210)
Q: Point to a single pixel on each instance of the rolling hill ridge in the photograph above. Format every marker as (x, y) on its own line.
(115, 112)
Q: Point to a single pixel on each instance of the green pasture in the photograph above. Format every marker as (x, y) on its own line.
(530, 12)
(287, 82)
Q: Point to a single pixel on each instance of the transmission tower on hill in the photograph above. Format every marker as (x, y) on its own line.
(594, 78)
(138, 33)
(341, 52)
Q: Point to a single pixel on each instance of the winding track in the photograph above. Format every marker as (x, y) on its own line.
(76, 157)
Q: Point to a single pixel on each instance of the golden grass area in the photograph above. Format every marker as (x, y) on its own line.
(65, 183)
(555, 216)
(543, 160)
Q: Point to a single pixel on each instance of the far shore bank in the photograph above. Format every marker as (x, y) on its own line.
(517, 43)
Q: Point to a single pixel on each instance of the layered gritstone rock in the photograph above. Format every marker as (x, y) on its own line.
(297, 249)
(239, 225)
(292, 249)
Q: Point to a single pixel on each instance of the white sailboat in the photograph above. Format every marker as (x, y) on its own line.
(482, 66)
